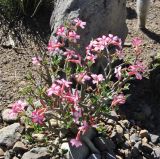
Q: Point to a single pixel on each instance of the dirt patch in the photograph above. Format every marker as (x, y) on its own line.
(27, 35)
(30, 35)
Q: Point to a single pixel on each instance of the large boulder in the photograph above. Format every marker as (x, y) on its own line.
(102, 17)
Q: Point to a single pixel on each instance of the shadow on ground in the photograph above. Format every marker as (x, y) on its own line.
(143, 105)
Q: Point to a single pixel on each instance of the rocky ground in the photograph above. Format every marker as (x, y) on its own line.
(133, 134)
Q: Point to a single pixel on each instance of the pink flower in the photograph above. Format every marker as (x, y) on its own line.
(17, 107)
(118, 100)
(136, 70)
(54, 89)
(91, 57)
(69, 53)
(79, 23)
(118, 73)
(64, 83)
(73, 37)
(61, 31)
(84, 127)
(77, 114)
(103, 42)
(97, 78)
(36, 60)
(54, 45)
(75, 142)
(75, 59)
(72, 98)
(38, 116)
(82, 77)
(136, 42)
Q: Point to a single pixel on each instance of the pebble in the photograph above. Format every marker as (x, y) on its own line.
(156, 152)
(119, 129)
(134, 138)
(144, 133)
(10, 134)
(154, 138)
(146, 148)
(7, 117)
(19, 147)
(1, 152)
(39, 137)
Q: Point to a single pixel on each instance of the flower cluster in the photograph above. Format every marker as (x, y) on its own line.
(73, 88)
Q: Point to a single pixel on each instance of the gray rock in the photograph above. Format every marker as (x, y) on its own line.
(119, 129)
(135, 152)
(7, 155)
(114, 115)
(144, 133)
(104, 144)
(102, 17)
(7, 117)
(154, 138)
(111, 121)
(39, 137)
(94, 156)
(87, 138)
(124, 123)
(19, 147)
(147, 148)
(10, 134)
(156, 152)
(134, 138)
(80, 152)
(37, 153)
(1, 152)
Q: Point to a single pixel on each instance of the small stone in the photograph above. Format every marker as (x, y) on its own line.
(124, 123)
(1, 152)
(110, 121)
(104, 144)
(134, 138)
(146, 148)
(109, 128)
(7, 117)
(143, 133)
(156, 152)
(135, 152)
(119, 129)
(7, 155)
(154, 138)
(37, 153)
(127, 154)
(126, 136)
(19, 147)
(10, 134)
(38, 137)
(114, 115)
(144, 140)
(87, 138)
(127, 144)
(80, 152)
(54, 122)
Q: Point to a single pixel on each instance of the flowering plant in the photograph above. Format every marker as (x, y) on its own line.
(80, 88)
